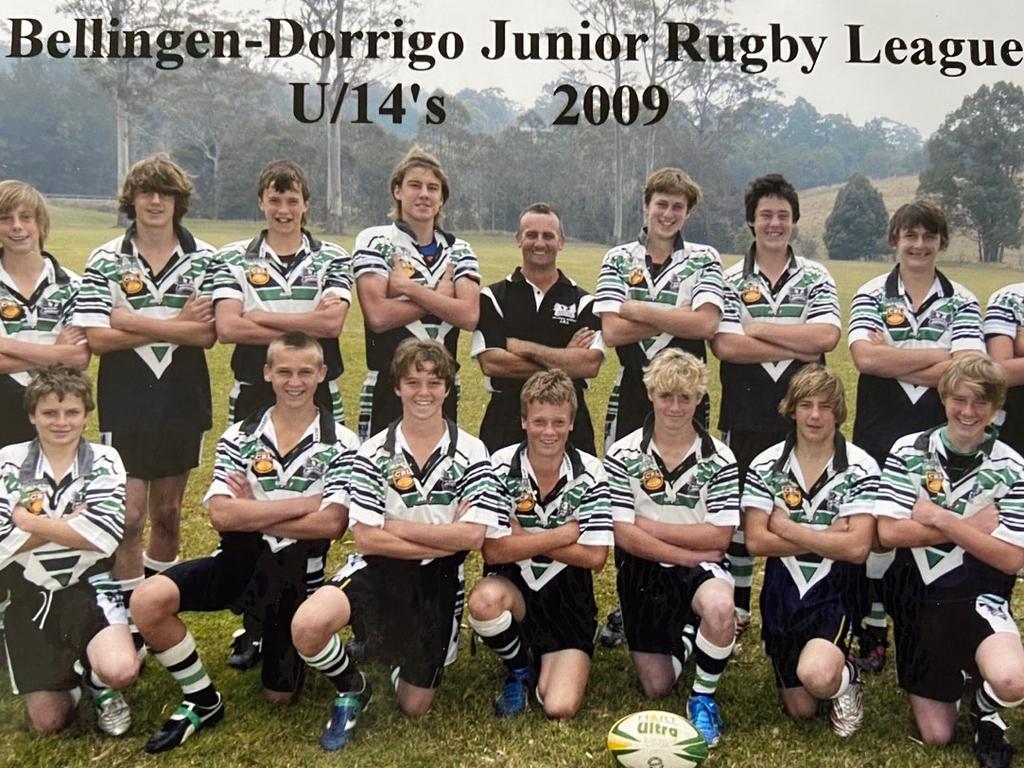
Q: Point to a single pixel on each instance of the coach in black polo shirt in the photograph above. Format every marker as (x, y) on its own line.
(535, 319)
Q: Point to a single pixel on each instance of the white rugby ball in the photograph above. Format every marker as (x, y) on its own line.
(655, 739)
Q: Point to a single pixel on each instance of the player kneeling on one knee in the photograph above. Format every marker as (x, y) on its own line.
(275, 477)
(537, 598)
(61, 519)
(421, 494)
(807, 505)
(675, 501)
(951, 501)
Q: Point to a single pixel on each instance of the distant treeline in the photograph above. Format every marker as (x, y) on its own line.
(58, 132)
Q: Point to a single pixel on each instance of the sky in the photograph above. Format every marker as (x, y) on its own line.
(918, 95)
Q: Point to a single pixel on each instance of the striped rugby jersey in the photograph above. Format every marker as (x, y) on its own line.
(949, 318)
(581, 494)
(691, 277)
(918, 466)
(378, 250)
(250, 272)
(704, 488)
(116, 275)
(386, 482)
(1004, 316)
(94, 487)
(40, 317)
(319, 464)
(847, 487)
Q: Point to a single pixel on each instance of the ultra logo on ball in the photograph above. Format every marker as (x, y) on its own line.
(656, 738)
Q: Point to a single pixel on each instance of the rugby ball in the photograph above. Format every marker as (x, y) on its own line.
(655, 739)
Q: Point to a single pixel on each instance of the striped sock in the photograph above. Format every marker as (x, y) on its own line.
(876, 619)
(335, 664)
(314, 574)
(741, 566)
(711, 661)
(849, 676)
(151, 567)
(182, 661)
(501, 635)
(986, 702)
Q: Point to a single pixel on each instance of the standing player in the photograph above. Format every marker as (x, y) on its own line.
(952, 500)
(537, 601)
(61, 518)
(533, 320)
(422, 493)
(675, 500)
(269, 499)
(905, 328)
(413, 280)
(284, 279)
(145, 306)
(37, 297)
(1004, 318)
(807, 505)
(781, 312)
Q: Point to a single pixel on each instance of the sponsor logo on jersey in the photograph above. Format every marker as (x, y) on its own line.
(11, 310)
(258, 275)
(792, 495)
(564, 313)
(131, 282)
(263, 463)
(895, 315)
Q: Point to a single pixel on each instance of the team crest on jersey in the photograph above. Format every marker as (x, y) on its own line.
(263, 463)
(525, 503)
(895, 315)
(184, 285)
(258, 275)
(406, 268)
(48, 310)
(636, 276)
(751, 293)
(309, 278)
(939, 321)
(563, 313)
(131, 282)
(34, 501)
(313, 469)
(652, 480)
(933, 480)
(792, 495)
(11, 310)
(402, 479)
(798, 294)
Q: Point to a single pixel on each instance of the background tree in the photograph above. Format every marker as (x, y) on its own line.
(856, 227)
(974, 161)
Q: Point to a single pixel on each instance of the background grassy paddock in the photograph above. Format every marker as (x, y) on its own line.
(461, 729)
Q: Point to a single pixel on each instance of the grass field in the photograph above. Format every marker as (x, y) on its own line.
(461, 730)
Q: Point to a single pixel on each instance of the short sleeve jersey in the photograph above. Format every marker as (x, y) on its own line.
(387, 482)
(847, 487)
(691, 277)
(704, 488)
(1004, 316)
(250, 272)
(159, 386)
(40, 317)
(805, 293)
(949, 319)
(94, 487)
(380, 249)
(581, 495)
(920, 466)
(319, 464)
(515, 307)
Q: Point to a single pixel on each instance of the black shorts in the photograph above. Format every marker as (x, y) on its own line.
(656, 601)
(47, 632)
(746, 445)
(14, 424)
(936, 642)
(561, 615)
(153, 455)
(252, 579)
(415, 606)
(788, 621)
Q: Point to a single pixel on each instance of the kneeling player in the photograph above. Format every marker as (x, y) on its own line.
(539, 596)
(422, 493)
(951, 500)
(675, 501)
(807, 505)
(273, 477)
(61, 518)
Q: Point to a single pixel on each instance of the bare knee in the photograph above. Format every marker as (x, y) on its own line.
(154, 598)
(800, 710)
(1007, 686)
(134, 523)
(280, 698)
(820, 680)
(415, 707)
(654, 687)
(486, 601)
(935, 734)
(49, 719)
(119, 672)
(561, 709)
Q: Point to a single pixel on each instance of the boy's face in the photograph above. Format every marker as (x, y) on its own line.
(294, 375)
(419, 196)
(666, 214)
(815, 420)
(967, 416)
(58, 422)
(917, 247)
(285, 212)
(422, 393)
(154, 210)
(19, 231)
(547, 427)
(674, 410)
(773, 223)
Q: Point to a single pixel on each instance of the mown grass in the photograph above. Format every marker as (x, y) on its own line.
(461, 730)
